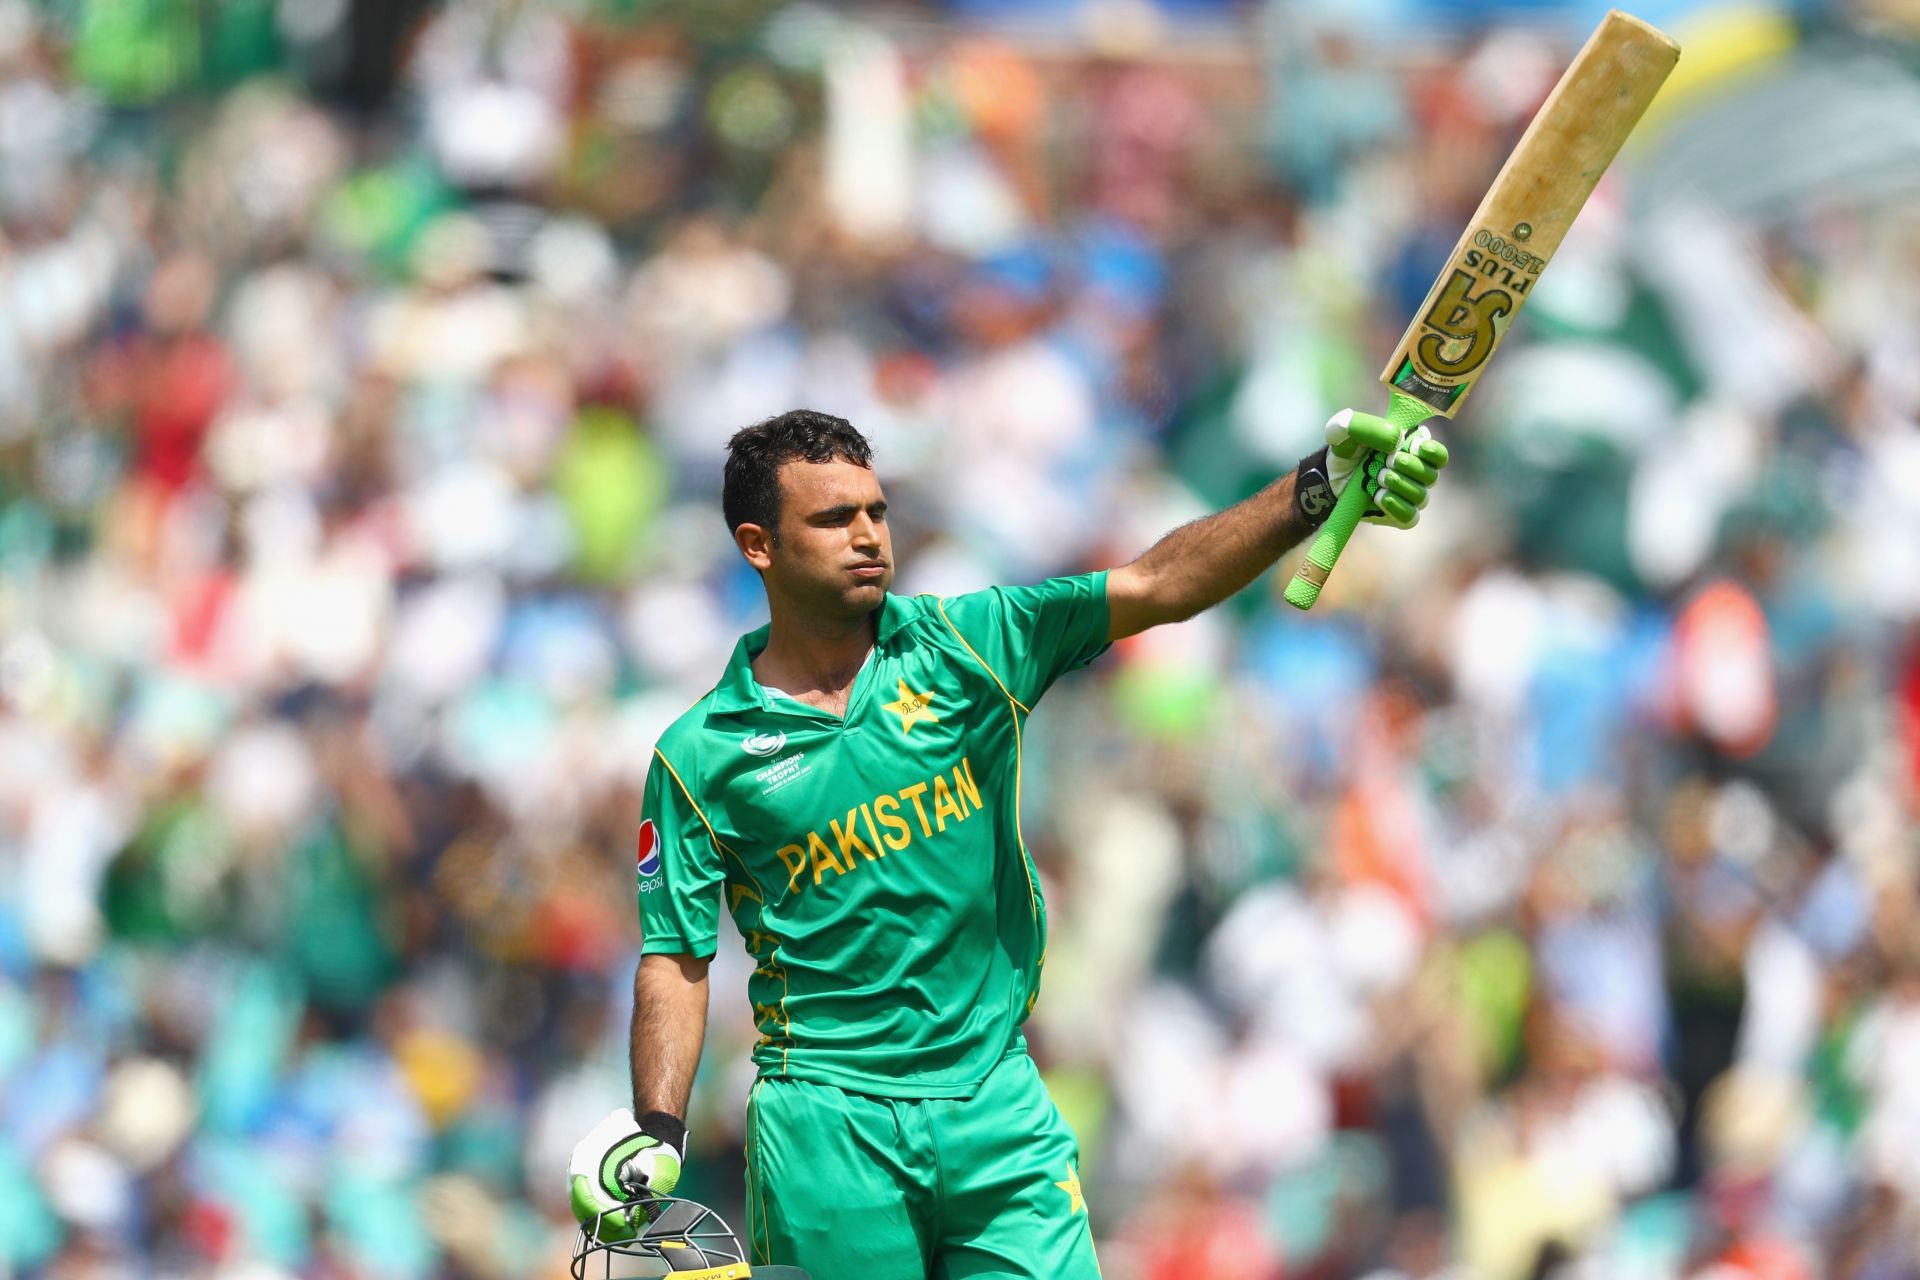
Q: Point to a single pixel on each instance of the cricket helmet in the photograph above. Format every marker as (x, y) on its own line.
(681, 1240)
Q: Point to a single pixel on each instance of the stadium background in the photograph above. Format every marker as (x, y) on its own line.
(1542, 904)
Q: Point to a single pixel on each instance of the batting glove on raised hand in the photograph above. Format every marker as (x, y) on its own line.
(1398, 473)
(619, 1161)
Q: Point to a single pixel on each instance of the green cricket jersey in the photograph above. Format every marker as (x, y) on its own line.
(873, 864)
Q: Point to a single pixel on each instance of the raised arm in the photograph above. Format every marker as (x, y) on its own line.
(1200, 564)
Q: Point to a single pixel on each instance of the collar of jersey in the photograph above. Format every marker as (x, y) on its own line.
(738, 691)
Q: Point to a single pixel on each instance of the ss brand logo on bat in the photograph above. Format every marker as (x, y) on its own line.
(1465, 326)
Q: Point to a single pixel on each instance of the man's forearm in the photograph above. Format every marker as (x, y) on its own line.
(1202, 563)
(669, 1027)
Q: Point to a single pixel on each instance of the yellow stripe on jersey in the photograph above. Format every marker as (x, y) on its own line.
(1019, 764)
(726, 850)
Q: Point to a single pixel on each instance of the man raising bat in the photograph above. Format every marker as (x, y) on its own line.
(850, 790)
(850, 793)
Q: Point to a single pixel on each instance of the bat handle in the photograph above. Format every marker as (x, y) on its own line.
(1405, 414)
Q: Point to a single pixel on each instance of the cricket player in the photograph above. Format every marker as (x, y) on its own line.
(850, 792)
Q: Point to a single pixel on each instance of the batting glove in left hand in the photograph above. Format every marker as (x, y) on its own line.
(615, 1163)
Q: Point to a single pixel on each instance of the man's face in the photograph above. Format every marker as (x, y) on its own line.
(834, 554)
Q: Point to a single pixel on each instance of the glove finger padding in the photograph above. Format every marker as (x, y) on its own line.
(1429, 450)
(1390, 509)
(1401, 484)
(1354, 440)
(1349, 432)
(611, 1166)
(1396, 471)
(1410, 467)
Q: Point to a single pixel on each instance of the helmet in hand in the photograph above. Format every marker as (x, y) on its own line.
(681, 1240)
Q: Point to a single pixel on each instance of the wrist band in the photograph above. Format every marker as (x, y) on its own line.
(1312, 491)
(668, 1128)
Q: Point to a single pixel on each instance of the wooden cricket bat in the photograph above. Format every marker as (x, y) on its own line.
(1495, 267)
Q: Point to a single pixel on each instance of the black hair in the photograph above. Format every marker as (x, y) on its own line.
(750, 490)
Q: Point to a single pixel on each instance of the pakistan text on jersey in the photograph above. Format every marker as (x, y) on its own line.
(889, 822)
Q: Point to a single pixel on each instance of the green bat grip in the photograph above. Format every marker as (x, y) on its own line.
(1405, 413)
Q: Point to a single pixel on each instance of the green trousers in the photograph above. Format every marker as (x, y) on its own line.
(853, 1187)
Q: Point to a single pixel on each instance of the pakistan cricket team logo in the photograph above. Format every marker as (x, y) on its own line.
(912, 707)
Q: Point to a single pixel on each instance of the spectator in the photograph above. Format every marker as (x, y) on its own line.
(359, 532)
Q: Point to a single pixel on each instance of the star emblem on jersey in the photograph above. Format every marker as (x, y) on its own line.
(912, 708)
(1072, 1187)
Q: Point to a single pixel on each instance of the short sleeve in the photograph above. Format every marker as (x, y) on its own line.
(680, 872)
(1031, 636)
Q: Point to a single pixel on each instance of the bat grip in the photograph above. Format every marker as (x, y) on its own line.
(1405, 414)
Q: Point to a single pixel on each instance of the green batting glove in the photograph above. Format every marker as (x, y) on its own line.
(1398, 473)
(619, 1163)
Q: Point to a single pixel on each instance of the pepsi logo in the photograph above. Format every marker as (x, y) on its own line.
(649, 848)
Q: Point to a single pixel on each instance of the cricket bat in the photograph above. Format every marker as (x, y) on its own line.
(1495, 267)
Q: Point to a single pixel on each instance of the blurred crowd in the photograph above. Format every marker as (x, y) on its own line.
(1543, 904)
